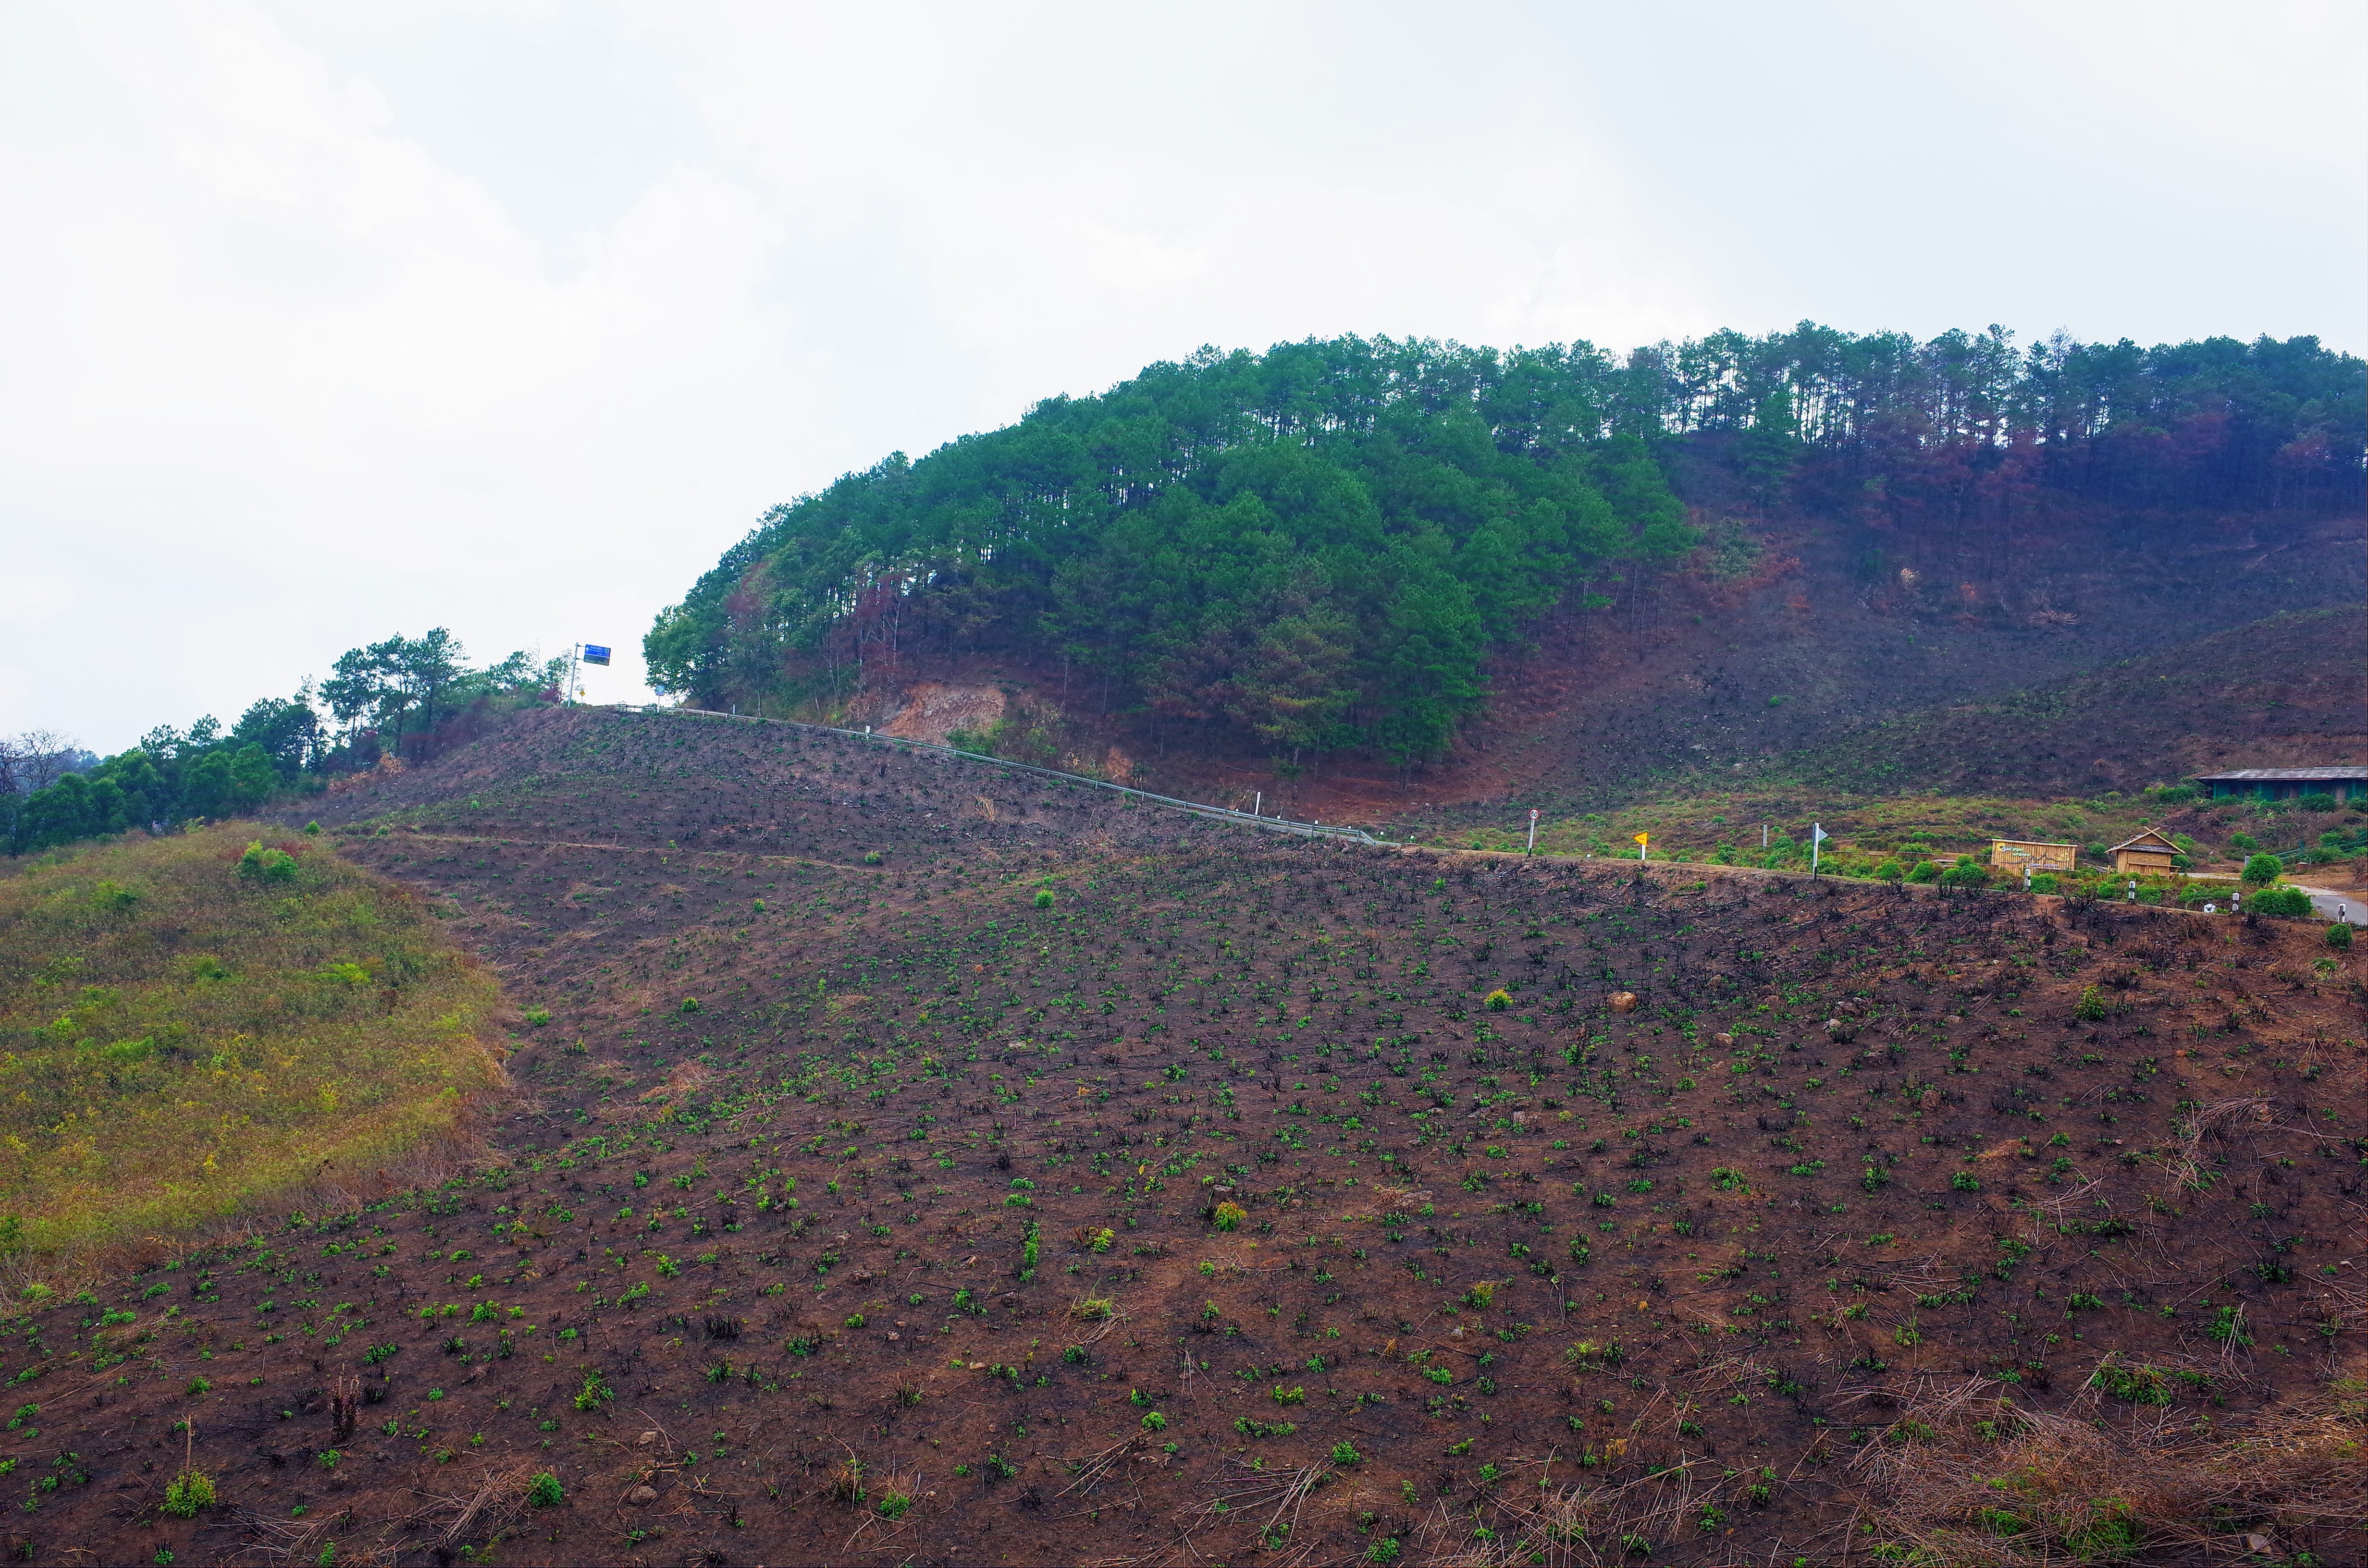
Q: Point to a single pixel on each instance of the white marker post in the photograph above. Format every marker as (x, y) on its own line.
(1817, 836)
(1533, 832)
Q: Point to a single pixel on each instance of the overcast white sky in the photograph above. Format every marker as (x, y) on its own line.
(323, 322)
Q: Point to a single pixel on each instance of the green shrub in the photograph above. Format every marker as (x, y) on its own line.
(2134, 1384)
(2110, 1531)
(2318, 801)
(594, 1394)
(1965, 1181)
(2243, 843)
(2291, 904)
(2044, 882)
(1229, 1215)
(2092, 1005)
(544, 1491)
(261, 865)
(1498, 1000)
(186, 1493)
(2262, 870)
(1044, 898)
(2338, 936)
(1891, 871)
(1925, 872)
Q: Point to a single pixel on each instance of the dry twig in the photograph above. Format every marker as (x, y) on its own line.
(491, 1504)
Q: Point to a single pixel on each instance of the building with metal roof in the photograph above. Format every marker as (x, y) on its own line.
(2285, 783)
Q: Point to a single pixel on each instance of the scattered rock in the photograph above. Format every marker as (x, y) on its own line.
(645, 1439)
(1723, 1041)
(641, 1495)
(1623, 1000)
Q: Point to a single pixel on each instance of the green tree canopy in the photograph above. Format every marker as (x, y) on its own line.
(1317, 547)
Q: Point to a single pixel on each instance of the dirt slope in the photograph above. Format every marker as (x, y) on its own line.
(763, 1213)
(2287, 691)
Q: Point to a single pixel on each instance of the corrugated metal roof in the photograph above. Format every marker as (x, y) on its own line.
(2280, 775)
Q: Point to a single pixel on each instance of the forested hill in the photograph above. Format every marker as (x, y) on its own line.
(1320, 546)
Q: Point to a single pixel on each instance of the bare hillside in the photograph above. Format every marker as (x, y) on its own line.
(919, 1163)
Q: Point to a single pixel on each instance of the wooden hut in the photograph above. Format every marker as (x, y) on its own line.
(2148, 855)
(2016, 854)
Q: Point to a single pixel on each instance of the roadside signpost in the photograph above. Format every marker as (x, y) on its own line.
(579, 655)
(1533, 832)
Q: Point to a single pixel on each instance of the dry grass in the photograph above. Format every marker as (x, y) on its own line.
(447, 1518)
(1586, 1525)
(181, 1044)
(1969, 1480)
(2221, 1120)
(848, 1483)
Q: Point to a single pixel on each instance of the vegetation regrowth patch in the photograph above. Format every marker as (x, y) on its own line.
(193, 1024)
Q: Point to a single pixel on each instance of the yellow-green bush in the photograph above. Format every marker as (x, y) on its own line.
(192, 1024)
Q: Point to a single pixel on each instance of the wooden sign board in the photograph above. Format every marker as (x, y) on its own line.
(2015, 853)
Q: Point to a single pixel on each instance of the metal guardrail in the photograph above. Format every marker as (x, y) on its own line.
(1215, 813)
